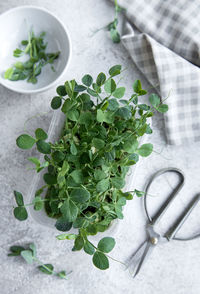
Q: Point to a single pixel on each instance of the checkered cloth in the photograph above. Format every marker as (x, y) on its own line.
(167, 51)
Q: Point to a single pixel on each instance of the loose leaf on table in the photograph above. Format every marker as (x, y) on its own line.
(28, 256)
(16, 250)
(19, 198)
(20, 213)
(46, 268)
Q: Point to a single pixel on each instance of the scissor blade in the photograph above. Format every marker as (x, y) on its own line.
(140, 256)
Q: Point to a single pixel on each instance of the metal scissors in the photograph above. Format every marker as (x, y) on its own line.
(154, 238)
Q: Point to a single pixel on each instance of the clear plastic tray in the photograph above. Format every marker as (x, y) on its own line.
(54, 132)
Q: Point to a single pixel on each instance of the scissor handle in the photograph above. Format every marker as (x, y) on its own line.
(170, 199)
(176, 227)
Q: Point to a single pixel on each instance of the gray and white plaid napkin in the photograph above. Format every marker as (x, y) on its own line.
(167, 51)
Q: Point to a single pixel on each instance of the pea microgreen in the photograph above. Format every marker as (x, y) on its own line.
(29, 254)
(86, 168)
(35, 48)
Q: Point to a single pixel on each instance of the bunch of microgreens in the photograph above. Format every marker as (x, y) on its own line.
(86, 172)
(34, 47)
(30, 256)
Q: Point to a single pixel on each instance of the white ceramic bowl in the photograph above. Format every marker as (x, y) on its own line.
(15, 25)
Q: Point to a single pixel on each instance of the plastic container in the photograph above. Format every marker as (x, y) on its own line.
(41, 217)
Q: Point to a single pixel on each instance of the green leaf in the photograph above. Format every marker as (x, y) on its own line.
(115, 36)
(56, 102)
(80, 195)
(46, 268)
(92, 92)
(35, 161)
(61, 91)
(87, 80)
(101, 78)
(131, 144)
(89, 248)
(119, 92)
(63, 225)
(100, 115)
(139, 193)
(28, 256)
(144, 107)
(66, 237)
(58, 156)
(16, 250)
(50, 179)
(122, 201)
(110, 86)
(40, 134)
(103, 185)
(115, 70)
(79, 243)
(19, 198)
(80, 88)
(73, 149)
(98, 143)
(33, 248)
(145, 150)
(113, 104)
(124, 113)
(77, 176)
(69, 210)
(162, 108)
(100, 260)
(86, 118)
(99, 175)
(62, 275)
(17, 52)
(137, 86)
(20, 213)
(154, 100)
(118, 182)
(73, 114)
(25, 141)
(106, 244)
(8, 73)
(43, 147)
(38, 203)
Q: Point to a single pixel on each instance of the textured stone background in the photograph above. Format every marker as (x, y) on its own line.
(172, 268)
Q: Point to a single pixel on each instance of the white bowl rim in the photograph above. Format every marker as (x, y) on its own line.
(42, 89)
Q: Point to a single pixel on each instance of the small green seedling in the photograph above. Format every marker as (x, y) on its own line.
(30, 256)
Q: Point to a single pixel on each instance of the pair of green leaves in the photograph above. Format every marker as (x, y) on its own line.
(20, 212)
(156, 103)
(26, 141)
(105, 245)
